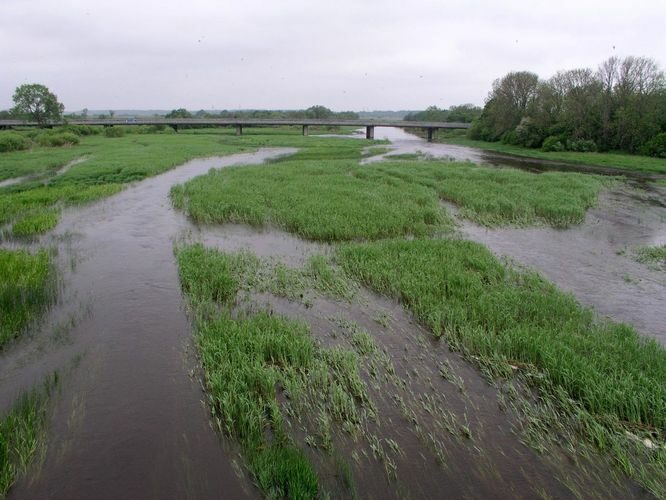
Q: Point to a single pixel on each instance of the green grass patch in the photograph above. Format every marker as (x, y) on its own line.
(110, 163)
(323, 200)
(611, 160)
(496, 197)
(652, 256)
(36, 223)
(216, 276)
(249, 360)
(21, 433)
(461, 291)
(46, 199)
(334, 200)
(26, 290)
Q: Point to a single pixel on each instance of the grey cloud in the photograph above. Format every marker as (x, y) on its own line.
(294, 53)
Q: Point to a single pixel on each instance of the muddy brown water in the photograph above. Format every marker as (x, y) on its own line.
(129, 419)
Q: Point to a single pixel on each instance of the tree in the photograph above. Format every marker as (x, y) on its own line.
(318, 112)
(36, 102)
(511, 99)
(178, 113)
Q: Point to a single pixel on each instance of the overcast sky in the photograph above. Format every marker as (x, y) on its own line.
(289, 54)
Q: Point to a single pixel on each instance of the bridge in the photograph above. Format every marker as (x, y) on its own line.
(239, 123)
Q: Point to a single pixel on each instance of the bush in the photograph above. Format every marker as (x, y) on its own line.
(527, 134)
(655, 146)
(582, 146)
(510, 137)
(81, 130)
(12, 141)
(114, 132)
(58, 139)
(552, 143)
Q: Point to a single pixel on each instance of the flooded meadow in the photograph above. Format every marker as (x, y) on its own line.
(387, 396)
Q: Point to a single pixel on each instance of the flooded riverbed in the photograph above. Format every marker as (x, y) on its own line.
(129, 421)
(592, 260)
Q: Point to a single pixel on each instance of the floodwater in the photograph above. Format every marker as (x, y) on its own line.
(592, 260)
(17, 180)
(422, 414)
(405, 143)
(129, 420)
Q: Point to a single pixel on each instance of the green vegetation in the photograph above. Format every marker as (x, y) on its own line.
(110, 163)
(37, 103)
(313, 112)
(11, 141)
(621, 106)
(340, 200)
(25, 290)
(652, 256)
(247, 360)
(36, 223)
(21, 433)
(610, 159)
(324, 200)
(496, 197)
(58, 139)
(465, 294)
(45, 200)
(465, 113)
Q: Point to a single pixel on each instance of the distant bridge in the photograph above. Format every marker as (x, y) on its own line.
(239, 123)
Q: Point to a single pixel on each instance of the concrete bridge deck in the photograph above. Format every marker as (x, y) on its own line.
(239, 123)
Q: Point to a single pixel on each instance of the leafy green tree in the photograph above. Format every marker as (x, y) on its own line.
(512, 98)
(37, 103)
(178, 113)
(318, 112)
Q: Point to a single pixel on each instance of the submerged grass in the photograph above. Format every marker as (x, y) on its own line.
(21, 430)
(461, 291)
(591, 384)
(248, 361)
(26, 289)
(652, 256)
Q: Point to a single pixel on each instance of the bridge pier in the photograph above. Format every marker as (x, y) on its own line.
(174, 127)
(305, 130)
(370, 132)
(431, 134)
(239, 129)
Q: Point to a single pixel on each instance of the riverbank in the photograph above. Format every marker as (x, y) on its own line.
(619, 161)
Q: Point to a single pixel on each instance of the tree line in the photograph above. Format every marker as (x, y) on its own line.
(313, 112)
(619, 106)
(465, 113)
